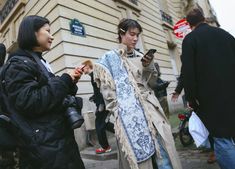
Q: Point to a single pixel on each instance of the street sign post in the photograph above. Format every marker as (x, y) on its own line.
(76, 28)
(181, 28)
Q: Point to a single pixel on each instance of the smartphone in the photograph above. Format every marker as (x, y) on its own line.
(149, 53)
(82, 67)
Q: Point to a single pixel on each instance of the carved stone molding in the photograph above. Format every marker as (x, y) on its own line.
(133, 4)
(10, 9)
(7, 8)
(187, 5)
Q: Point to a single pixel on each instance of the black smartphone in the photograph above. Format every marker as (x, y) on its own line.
(149, 53)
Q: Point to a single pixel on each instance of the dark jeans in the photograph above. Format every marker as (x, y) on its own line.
(225, 152)
(101, 127)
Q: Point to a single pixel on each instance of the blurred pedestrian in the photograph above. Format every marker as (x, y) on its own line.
(160, 91)
(102, 122)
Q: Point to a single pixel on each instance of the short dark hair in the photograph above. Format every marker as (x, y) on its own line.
(2, 53)
(26, 35)
(125, 25)
(195, 16)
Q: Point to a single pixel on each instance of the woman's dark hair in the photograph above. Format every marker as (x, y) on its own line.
(26, 35)
(2, 53)
(195, 16)
(125, 25)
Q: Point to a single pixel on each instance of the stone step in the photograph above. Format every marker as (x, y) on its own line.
(89, 153)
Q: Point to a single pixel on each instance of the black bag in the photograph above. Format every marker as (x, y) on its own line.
(11, 136)
(8, 141)
(162, 84)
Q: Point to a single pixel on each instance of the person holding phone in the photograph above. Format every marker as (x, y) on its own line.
(125, 77)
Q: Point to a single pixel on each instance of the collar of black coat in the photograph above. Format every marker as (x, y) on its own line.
(21, 52)
(200, 25)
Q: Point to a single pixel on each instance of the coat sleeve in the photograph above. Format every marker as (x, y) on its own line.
(150, 74)
(189, 70)
(180, 85)
(107, 88)
(31, 94)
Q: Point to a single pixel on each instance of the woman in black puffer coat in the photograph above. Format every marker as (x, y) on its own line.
(34, 97)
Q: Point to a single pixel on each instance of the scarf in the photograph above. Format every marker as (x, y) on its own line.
(130, 110)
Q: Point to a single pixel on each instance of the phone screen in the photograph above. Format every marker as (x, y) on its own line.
(82, 67)
(149, 53)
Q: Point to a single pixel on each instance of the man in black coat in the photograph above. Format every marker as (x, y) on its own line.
(208, 67)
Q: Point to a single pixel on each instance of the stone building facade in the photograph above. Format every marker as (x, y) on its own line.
(99, 19)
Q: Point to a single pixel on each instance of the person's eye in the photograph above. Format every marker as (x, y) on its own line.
(132, 34)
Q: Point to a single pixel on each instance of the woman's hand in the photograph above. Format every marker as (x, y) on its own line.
(76, 74)
(87, 69)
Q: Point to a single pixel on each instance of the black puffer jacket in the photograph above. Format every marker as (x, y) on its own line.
(35, 106)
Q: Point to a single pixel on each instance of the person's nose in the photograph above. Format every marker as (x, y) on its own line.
(135, 38)
(51, 37)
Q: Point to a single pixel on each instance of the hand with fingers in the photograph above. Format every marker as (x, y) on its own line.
(175, 96)
(76, 74)
(148, 57)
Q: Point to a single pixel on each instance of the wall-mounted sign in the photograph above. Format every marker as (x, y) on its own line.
(181, 28)
(77, 28)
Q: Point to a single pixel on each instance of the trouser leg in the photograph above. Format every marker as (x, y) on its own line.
(225, 152)
(163, 162)
(100, 125)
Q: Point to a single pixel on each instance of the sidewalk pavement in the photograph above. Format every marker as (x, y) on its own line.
(191, 158)
(195, 159)
(95, 164)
